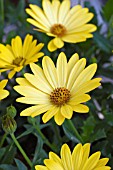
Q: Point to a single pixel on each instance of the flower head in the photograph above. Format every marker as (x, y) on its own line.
(78, 160)
(59, 21)
(3, 93)
(15, 56)
(57, 91)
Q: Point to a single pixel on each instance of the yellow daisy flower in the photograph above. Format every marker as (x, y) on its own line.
(57, 91)
(3, 93)
(15, 56)
(59, 21)
(78, 160)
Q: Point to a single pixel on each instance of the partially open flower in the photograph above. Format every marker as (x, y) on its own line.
(59, 21)
(57, 91)
(15, 56)
(79, 159)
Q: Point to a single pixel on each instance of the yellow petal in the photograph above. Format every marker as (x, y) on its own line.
(86, 87)
(27, 42)
(85, 75)
(62, 69)
(59, 118)
(47, 7)
(37, 24)
(86, 151)
(75, 72)
(49, 114)
(103, 168)
(92, 161)
(17, 46)
(11, 74)
(66, 157)
(54, 157)
(30, 91)
(66, 111)
(3, 83)
(23, 81)
(63, 10)
(40, 167)
(73, 38)
(53, 165)
(50, 71)
(33, 100)
(72, 61)
(102, 162)
(58, 42)
(35, 110)
(79, 99)
(6, 54)
(3, 94)
(37, 82)
(55, 8)
(80, 108)
(51, 46)
(77, 156)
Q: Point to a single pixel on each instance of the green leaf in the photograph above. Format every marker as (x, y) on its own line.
(7, 167)
(108, 9)
(100, 134)
(20, 165)
(102, 42)
(69, 131)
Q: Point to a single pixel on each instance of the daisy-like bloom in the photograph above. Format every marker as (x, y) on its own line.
(3, 93)
(78, 160)
(15, 56)
(59, 21)
(57, 91)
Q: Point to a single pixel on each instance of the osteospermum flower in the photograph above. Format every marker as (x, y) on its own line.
(3, 93)
(59, 21)
(15, 56)
(57, 91)
(78, 160)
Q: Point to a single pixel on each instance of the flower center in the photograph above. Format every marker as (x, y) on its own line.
(19, 61)
(58, 30)
(60, 96)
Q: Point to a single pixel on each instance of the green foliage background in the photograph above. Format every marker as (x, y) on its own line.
(95, 127)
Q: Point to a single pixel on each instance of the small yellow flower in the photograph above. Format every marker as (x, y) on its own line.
(59, 21)
(15, 56)
(57, 91)
(3, 93)
(78, 160)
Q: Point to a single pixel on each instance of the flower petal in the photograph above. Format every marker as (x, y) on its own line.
(66, 157)
(62, 69)
(51, 46)
(58, 42)
(80, 108)
(66, 111)
(50, 71)
(59, 118)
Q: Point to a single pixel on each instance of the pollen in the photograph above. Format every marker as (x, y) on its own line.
(58, 29)
(19, 61)
(60, 96)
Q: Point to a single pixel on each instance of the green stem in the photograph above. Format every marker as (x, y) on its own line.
(3, 139)
(75, 131)
(45, 139)
(21, 150)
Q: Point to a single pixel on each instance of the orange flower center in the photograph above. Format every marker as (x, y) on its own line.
(60, 96)
(19, 61)
(58, 30)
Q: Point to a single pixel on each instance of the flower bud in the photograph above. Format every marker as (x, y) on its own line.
(8, 124)
(11, 111)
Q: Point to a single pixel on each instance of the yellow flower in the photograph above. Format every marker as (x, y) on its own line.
(3, 93)
(57, 91)
(15, 56)
(59, 21)
(78, 160)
